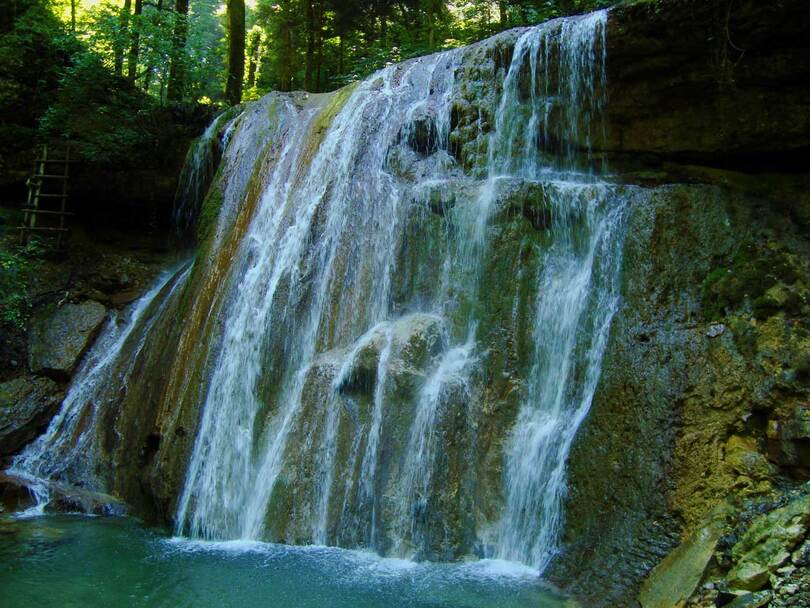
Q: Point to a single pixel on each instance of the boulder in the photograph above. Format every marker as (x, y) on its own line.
(14, 496)
(57, 341)
(801, 556)
(752, 600)
(63, 498)
(768, 543)
(416, 338)
(26, 407)
(677, 577)
(789, 440)
(798, 428)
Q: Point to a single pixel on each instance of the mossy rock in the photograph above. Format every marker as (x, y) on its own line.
(768, 543)
(677, 577)
(761, 272)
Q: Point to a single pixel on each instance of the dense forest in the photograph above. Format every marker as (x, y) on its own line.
(100, 70)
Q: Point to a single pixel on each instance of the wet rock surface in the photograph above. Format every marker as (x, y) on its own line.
(676, 578)
(683, 419)
(767, 545)
(760, 558)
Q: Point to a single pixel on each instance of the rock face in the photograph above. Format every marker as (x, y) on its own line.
(702, 392)
(57, 341)
(709, 82)
(681, 419)
(26, 407)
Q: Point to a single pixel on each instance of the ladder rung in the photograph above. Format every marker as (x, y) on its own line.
(46, 211)
(42, 228)
(51, 195)
(49, 177)
(53, 161)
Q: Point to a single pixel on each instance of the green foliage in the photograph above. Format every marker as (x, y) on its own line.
(104, 81)
(337, 42)
(110, 120)
(33, 52)
(205, 52)
(17, 267)
(314, 44)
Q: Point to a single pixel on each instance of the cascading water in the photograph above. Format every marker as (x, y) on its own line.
(396, 325)
(69, 449)
(577, 286)
(311, 245)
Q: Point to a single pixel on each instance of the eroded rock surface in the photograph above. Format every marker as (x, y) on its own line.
(58, 340)
(26, 407)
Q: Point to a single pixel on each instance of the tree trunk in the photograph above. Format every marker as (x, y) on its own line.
(73, 16)
(431, 35)
(135, 48)
(151, 70)
(164, 78)
(147, 77)
(567, 7)
(319, 47)
(123, 26)
(432, 17)
(236, 51)
(254, 44)
(309, 73)
(503, 16)
(177, 71)
(287, 57)
(341, 52)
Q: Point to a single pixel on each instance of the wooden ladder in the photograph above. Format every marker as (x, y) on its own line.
(48, 184)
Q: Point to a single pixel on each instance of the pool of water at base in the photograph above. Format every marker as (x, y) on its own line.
(72, 561)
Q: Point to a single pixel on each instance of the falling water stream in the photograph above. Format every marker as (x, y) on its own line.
(341, 393)
(69, 448)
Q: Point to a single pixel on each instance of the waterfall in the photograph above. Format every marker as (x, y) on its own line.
(451, 373)
(195, 177)
(198, 172)
(395, 326)
(577, 286)
(306, 232)
(580, 286)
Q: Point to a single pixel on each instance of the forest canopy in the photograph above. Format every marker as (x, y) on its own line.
(103, 70)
